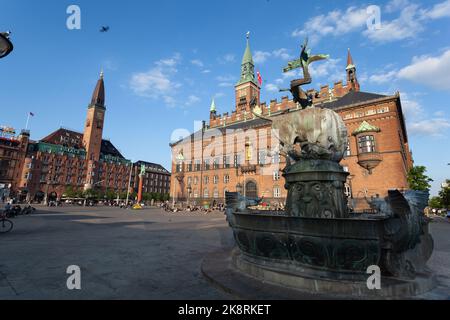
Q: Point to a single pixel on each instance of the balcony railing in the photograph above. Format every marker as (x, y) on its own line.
(248, 169)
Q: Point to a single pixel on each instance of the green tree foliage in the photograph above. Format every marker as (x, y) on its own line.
(70, 193)
(418, 180)
(435, 203)
(445, 195)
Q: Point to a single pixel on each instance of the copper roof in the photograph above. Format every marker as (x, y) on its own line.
(98, 97)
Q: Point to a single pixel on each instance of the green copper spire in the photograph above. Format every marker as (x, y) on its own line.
(213, 106)
(248, 58)
(248, 66)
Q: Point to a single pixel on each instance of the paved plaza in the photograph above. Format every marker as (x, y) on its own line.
(126, 254)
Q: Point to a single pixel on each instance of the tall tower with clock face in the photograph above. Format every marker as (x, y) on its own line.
(93, 131)
(247, 89)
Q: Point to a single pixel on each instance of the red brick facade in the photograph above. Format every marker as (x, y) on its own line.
(65, 159)
(197, 179)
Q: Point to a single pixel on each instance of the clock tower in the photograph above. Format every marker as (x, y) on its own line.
(247, 89)
(93, 132)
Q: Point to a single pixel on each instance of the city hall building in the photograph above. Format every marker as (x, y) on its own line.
(237, 151)
(45, 169)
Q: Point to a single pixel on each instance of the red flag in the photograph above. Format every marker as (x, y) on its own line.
(260, 80)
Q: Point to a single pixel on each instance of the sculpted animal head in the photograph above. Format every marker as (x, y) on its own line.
(323, 130)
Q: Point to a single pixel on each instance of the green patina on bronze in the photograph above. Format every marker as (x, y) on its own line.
(247, 66)
(366, 127)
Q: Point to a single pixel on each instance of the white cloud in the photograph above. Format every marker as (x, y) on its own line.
(228, 58)
(282, 53)
(192, 99)
(206, 71)
(431, 127)
(226, 81)
(261, 56)
(409, 23)
(384, 77)
(411, 107)
(197, 63)
(406, 26)
(329, 69)
(429, 71)
(157, 83)
(271, 87)
(334, 23)
(396, 5)
(439, 10)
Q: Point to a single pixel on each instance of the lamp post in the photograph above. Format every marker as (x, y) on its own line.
(189, 190)
(6, 45)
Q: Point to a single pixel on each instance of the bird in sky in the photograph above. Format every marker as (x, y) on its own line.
(104, 29)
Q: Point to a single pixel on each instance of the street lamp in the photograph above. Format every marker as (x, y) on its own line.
(189, 190)
(6, 45)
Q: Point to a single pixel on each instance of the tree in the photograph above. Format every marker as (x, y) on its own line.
(435, 203)
(70, 193)
(444, 194)
(418, 180)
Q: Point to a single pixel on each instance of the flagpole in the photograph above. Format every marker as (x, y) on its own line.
(28, 121)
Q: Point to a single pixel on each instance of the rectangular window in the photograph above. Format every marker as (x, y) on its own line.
(276, 158)
(207, 165)
(262, 158)
(276, 175)
(216, 163)
(226, 179)
(366, 144)
(237, 160)
(348, 151)
(216, 179)
(226, 162)
(276, 192)
(198, 165)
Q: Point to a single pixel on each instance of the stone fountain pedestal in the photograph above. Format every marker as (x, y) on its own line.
(316, 245)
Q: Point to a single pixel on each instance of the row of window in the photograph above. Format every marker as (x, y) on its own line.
(276, 193)
(226, 164)
(226, 179)
(361, 114)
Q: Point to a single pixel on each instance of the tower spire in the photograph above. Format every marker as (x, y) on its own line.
(247, 65)
(350, 63)
(352, 80)
(98, 97)
(213, 106)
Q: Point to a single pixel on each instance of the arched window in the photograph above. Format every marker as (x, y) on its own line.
(251, 190)
(216, 193)
(206, 193)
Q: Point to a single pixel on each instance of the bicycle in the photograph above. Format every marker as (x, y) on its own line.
(5, 224)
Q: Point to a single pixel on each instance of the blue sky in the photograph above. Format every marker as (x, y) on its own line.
(165, 60)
